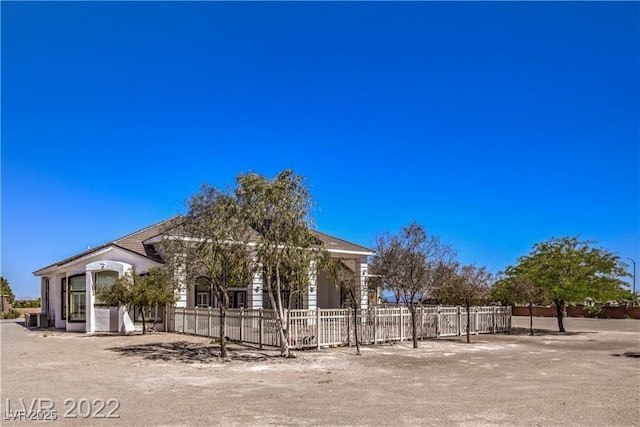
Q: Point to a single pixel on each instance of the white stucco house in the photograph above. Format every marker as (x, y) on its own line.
(68, 286)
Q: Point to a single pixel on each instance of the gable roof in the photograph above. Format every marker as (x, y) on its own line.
(131, 242)
(135, 242)
(335, 244)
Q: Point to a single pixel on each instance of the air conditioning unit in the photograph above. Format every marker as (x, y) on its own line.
(43, 320)
(31, 320)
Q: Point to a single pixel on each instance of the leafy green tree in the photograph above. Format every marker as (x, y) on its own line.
(278, 210)
(515, 288)
(408, 265)
(466, 286)
(133, 290)
(571, 270)
(5, 289)
(211, 242)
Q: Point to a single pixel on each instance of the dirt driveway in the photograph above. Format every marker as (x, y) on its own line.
(588, 377)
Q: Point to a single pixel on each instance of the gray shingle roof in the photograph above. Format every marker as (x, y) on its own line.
(134, 242)
(131, 242)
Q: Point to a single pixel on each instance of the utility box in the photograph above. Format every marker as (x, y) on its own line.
(31, 320)
(43, 319)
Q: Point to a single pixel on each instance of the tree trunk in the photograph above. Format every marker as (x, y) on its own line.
(282, 323)
(414, 332)
(223, 324)
(531, 318)
(144, 324)
(468, 308)
(355, 330)
(626, 310)
(559, 309)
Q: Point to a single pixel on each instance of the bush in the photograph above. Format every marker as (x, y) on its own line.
(11, 314)
(595, 309)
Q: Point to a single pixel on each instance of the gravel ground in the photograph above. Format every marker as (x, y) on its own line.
(587, 377)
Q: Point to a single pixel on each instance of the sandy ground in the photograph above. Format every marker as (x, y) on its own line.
(588, 377)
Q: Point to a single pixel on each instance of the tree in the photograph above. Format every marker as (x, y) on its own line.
(5, 289)
(211, 243)
(570, 270)
(465, 286)
(286, 251)
(343, 274)
(513, 288)
(143, 292)
(408, 264)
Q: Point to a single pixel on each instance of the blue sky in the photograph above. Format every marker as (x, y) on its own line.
(495, 125)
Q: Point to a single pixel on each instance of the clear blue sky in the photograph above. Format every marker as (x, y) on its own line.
(495, 125)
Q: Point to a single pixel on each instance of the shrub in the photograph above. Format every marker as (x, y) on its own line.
(11, 314)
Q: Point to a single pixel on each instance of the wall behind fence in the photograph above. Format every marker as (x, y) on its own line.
(605, 313)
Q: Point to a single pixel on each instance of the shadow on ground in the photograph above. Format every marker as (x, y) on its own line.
(186, 352)
(632, 354)
(527, 331)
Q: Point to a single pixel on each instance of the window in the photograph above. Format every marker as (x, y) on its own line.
(63, 302)
(103, 279)
(150, 313)
(296, 300)
(46, 295)
(77, 298)
(204, 294)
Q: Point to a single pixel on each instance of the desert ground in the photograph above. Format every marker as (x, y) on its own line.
(589, 376)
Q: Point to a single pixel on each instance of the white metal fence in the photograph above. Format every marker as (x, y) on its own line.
(321, 328)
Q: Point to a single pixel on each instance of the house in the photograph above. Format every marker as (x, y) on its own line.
(68, 286)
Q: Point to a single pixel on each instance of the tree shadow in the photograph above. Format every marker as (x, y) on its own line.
(186, 352)
(527, 331)
(631, 354)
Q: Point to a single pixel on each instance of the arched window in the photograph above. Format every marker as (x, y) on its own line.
(204, 293)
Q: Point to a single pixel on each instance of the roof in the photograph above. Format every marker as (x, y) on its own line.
(336, 244)
(134, 242)
(131, 242)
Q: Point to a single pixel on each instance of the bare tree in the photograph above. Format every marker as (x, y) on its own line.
(466, 286)
(343, 274)
(210, 242)
(408, 264)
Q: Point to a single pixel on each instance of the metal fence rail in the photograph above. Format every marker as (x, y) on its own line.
(321, 328)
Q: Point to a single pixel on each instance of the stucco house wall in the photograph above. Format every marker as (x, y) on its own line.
(141, 251)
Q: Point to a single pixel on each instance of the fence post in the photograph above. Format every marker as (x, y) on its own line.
(375, 325)
(401, 324)
(184, 319)
(261, 324)
(477, 320)
(349, 313)
(195, 328)
(318, 327)
(438, 322)
(493, 320)
(241, 321)
(459, 322)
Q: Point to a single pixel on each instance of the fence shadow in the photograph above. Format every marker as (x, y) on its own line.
(186, 352)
